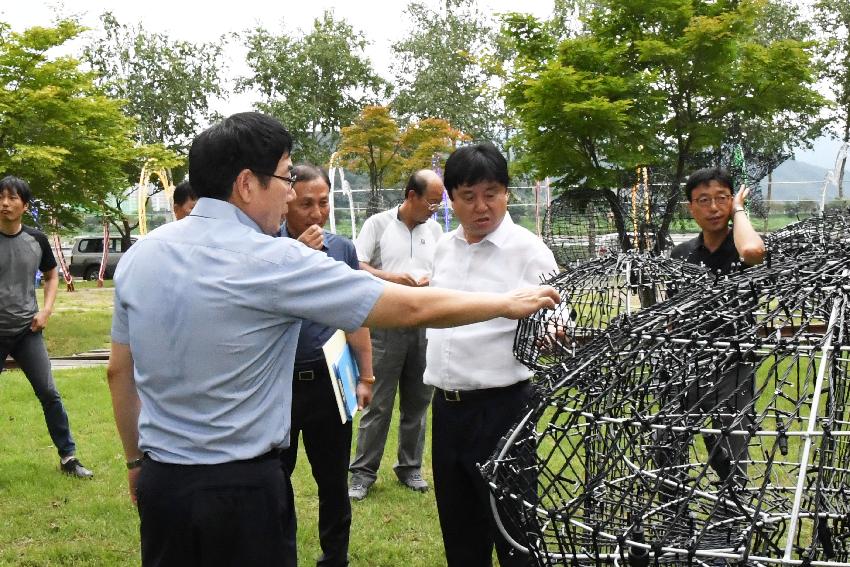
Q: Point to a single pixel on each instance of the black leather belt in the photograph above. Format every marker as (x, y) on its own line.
(481, 394)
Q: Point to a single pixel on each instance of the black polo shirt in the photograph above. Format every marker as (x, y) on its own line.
(722, 261)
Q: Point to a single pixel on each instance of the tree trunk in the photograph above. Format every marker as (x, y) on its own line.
(672, 203)
(843, 160)
(125, 235)
(769, 198)
(619, 219)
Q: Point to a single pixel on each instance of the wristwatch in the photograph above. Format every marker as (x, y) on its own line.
(367, 379)
(739, 210)
(135, 463)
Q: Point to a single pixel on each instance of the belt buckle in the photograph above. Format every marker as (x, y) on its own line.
(306, 375)
(451, 395)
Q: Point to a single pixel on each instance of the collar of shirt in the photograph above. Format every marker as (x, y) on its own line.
(728, 242)
(223, 210)
(499, 237)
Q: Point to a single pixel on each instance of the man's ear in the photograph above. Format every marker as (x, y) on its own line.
(242, 187)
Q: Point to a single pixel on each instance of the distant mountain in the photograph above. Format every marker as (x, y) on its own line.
(801, 181)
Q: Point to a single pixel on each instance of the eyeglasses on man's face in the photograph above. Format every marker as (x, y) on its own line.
(434, 207)
(290, 180)
(705, 201)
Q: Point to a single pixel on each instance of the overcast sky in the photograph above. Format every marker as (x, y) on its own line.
(382, 21)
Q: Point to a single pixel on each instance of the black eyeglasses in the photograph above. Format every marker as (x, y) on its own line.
(291, 179)
(705, 201)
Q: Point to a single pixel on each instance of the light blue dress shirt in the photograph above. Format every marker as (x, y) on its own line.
(211, 309)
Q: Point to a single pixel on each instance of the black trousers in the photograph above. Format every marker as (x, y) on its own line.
(237, 514)
(327, 442)
(464, 434)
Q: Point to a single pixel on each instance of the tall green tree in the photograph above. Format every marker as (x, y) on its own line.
(58, 129)
(833, 19)
(167, 85)
(438, 69)
(315, 83)
(655, 82)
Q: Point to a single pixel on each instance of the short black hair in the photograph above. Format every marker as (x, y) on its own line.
(248, 140)
(705, 176)
(17, 186)
(417, 183)
(183, 192)
(308, 172)
(473, 164)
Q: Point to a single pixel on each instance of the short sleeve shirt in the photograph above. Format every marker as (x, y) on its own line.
(385, 242)
(21, 255)
(313, 335)
(211, 309)
(722, 261)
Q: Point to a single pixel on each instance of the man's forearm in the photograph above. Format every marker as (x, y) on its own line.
(402, 306)
(749, 244)
(378, 273)
(125, 399)
(51, 286)
(361, 346)
(397, 278)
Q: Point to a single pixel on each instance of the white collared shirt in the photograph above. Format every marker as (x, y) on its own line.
(479, 356)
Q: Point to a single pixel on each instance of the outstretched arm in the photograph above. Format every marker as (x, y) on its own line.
(401, 306)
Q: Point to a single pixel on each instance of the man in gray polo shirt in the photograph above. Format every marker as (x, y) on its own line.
(23, 250)
(207, 315)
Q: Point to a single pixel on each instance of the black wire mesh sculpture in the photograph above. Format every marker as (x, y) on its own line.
(593, 293)
(710, 429)
(582, 224)
(826, 233)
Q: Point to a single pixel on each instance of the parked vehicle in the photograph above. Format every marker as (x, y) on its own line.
(86, 254)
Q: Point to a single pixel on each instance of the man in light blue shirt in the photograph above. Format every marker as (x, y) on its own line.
(207, 315)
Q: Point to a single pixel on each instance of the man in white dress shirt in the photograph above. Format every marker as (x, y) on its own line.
(480, 388)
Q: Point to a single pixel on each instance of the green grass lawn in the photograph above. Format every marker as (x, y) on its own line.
(81, 319)
(48, 519)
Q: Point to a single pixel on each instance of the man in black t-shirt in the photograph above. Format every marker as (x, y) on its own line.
(23, 250)
(722, 249)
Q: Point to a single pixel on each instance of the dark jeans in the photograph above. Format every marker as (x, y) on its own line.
(29, 352)
(327, 442)
(464, 434)
(237, 514)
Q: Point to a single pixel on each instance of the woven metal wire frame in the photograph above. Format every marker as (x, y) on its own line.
(579, 479)
(593, 294)
(829, 233)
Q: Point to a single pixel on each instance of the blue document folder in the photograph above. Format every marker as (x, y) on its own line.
(344, 374)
